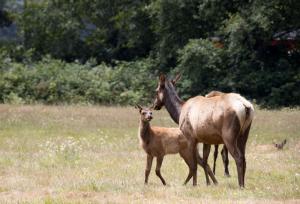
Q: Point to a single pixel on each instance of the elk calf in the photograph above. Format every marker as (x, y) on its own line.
(160, 141)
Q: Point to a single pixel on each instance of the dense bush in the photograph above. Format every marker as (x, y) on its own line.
(100, 29)
(205, 67)
(251, 47)
(53, 81)
(202, 68)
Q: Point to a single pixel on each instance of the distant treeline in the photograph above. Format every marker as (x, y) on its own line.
(111, 52)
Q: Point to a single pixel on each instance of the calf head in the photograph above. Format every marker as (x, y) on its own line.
(146, 113)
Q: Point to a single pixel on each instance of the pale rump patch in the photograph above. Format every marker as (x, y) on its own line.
(239, 109)
(240, 104)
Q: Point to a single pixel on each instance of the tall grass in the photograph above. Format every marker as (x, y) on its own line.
(66, 154)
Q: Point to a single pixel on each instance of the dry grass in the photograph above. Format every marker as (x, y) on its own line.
(67, 154)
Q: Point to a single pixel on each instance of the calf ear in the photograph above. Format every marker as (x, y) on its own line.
(177, 77)
(137, 106)
(151, 107)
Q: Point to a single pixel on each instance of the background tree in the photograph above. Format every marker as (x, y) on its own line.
(251, 47)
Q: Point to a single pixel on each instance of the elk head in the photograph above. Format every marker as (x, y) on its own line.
(160, 92)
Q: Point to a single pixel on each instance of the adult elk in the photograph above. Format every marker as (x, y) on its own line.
(224, 119)
(224, 151)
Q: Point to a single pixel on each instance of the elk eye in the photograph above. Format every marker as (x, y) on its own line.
(144, 113)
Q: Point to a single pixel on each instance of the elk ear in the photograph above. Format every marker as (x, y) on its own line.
(137, 106)
(162, 78)
(177, 77)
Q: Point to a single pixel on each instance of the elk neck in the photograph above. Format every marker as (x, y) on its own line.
(144, 131)
(173, 103)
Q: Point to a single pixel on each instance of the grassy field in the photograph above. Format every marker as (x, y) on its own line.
(67, 154)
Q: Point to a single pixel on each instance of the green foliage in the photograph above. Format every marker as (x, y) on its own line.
(54, 81)
(201, 65)
(176, 24)
(51, 27)
(246, 62)
(215, 44)
(105, 30)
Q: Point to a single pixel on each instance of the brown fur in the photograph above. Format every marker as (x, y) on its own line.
(222, 119)
(214, 93)
(224, 151)
(160, 141)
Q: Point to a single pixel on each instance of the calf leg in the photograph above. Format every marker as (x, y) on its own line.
(148, 167)
(190, 160)
(190, 175)
(157, 170)
(192, 169)
(224, 154)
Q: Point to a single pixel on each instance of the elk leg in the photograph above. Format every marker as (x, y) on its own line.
(194, 164)
(148, 167)
(230, 135)
(215, 158)
(206, 150)
(239, 160)
(225, 159)
(242, 147)
(157, 170)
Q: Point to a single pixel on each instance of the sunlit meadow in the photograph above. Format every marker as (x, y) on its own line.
(91, 154)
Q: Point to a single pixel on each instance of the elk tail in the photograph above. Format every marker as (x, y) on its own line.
(249, 113)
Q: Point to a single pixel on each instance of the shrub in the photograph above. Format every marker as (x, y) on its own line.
(53, 81)
(202, 67)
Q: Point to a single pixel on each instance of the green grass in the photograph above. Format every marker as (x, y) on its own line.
(76, 154)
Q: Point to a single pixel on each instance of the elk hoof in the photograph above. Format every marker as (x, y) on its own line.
(227, 175)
